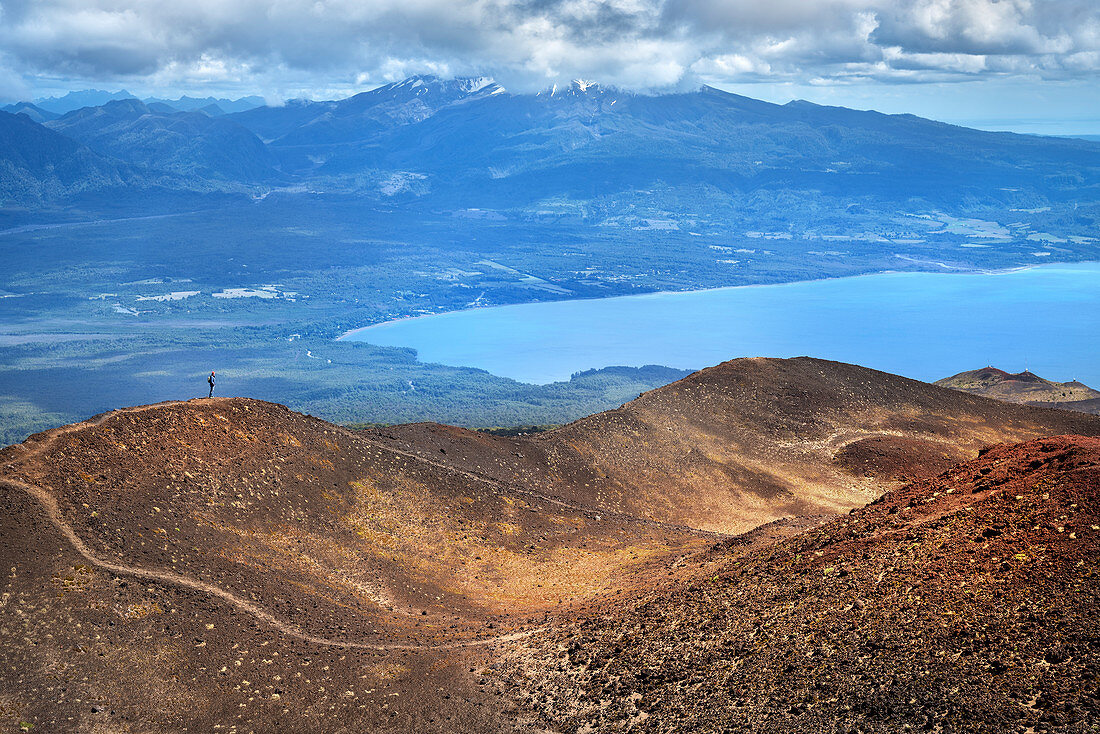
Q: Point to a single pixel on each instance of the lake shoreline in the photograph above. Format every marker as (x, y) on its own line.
(980, 271)
(918, 324)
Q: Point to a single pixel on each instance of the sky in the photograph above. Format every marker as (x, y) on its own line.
(1031, 65)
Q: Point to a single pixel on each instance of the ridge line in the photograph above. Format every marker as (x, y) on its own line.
(49, 505)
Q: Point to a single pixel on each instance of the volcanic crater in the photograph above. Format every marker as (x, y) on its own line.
(766, 545)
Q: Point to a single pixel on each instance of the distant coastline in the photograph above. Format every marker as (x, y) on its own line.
(919, 324)
(975, 271)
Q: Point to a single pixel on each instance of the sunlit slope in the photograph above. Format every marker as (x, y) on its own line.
(749, 441)
(86, 649)
(329, 531)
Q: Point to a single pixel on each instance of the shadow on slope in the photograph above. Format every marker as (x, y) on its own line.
(229, 562)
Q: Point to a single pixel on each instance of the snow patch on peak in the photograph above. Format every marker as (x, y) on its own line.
(421, 83)
(471, 85)
(576, 88)
(412, 82)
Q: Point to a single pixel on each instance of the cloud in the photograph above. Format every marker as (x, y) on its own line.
(12, 86)
(644, 44)
(1008, 27)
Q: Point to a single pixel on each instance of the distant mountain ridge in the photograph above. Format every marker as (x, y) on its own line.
(1026, 388)
(37, 164)
(187, 104)
(97, 97)
(593, 152)
(83, 98)
(190, 143)
(474, 142)
(359, 117)
(32, 111)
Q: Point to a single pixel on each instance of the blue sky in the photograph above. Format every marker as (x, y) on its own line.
(1032, 65)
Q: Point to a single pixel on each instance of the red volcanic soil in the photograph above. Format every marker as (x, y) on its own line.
(966, 602)
(229, 565)
(226, 562)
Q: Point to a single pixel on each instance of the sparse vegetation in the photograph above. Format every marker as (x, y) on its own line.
(232, 563)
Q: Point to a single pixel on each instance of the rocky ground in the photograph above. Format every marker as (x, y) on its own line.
(966, 602)
(748, 441)
(229, 565)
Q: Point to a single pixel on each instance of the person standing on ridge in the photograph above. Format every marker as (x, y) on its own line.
(211, 381)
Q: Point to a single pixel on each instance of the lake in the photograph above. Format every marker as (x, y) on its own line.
(921, 325)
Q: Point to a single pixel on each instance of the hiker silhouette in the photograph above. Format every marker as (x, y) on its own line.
(211, 381)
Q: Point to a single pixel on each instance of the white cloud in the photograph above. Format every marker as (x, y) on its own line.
(291, 45)
(725, 66)
(12, 85)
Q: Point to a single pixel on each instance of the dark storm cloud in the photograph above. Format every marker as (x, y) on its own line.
(589, 21)
(531, 43)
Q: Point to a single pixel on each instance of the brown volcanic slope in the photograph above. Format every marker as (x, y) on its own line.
(967, 602)
(1027, 388)
(228, 563)
(748, 441)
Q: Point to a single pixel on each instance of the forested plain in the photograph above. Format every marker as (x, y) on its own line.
(144, 247)
(134, 310)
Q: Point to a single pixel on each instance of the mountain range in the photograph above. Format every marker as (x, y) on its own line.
(189, 143)
(38, 164)
(601, 152)
(768, 544)
(98, 97)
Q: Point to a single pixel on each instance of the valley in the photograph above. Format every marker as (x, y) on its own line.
(124, 312)
(146, 244)
(227, 563)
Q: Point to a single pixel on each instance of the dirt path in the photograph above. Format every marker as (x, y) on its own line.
(49, 505)
(500, 486)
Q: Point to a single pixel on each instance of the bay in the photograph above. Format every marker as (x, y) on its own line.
(921, 325)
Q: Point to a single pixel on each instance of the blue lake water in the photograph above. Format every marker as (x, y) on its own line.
(922, 325)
